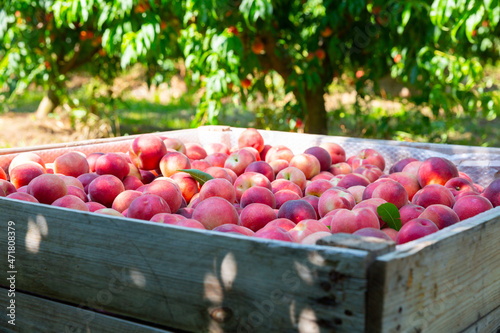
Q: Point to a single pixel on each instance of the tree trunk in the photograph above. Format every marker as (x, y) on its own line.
(47, 105)
(316, 118)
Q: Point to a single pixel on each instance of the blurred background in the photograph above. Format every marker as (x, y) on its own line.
(424, 71)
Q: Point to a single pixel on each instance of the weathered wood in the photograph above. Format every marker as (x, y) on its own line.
(38, 315)
(441, 283)
(487, 324)
(185, 279)
(374, 246)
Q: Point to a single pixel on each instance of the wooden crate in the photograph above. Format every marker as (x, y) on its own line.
(95, 273)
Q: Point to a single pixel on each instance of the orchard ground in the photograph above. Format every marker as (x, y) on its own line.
(143, 109)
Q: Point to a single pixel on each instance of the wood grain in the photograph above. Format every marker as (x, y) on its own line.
(442, 283)
(197, 281)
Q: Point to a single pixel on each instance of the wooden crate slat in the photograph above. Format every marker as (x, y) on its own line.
(184, 279)
(488, 324)
(438, 284)
(39, 315)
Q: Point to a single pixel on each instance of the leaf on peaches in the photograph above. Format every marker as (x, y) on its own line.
(389, 213)
(200, 176)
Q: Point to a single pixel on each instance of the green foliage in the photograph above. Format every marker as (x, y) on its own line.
(389, 213)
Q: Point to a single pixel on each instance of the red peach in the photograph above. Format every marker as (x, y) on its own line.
(326, 175)
(251, 138)
(112, 164)
(353, 179)
(294, 175)
(217, 159)
(281, 222)
(283, 184)
(22, 196)
(47, 188)
(368, 156)
(459, 184)
(195, 151)
(399, 166)
(253, 151)
(256, 215)
(412, 168)
(337, 153)
(218, 172)
(70, 180)
(314, 201)
(218, 187)
(436, 170)
(297, 210)
(409, 182)
(86, 179)
(239, 160)
(305, 228)
(317, 187)
(372, 204)
(174, 144)
(93, 206)
(323, 156)
(23, 173)
(104, 189)
(307, 163)
(23, 158)
(357, 192)
(77, 192)
(442, 216)
(131, 183)
(371, 172)
(168, 190)
(279, 152)
(250, 179)
(279, 165)
(187, 184)
(146, 151)
(215, 211)
(186, 212)
(124, 199)
(341, 168)
(3, 175)
(393, 234)
(261, 167)
(145, 206)
(492, 192)
(470, 206)
(284, 196)
(415, 229)
(258, 194)
(71, 202)
(201, 165)
(409, 212)
(167, 218)
(334, 198)
(349, 221)
(189, 223)
(109, 211)
(147, 176)
(464, 175)
(91, 159)
(264, 151)
(216, 148)
(274, 232)
(391, 191)
(433, 194)
(71, 164)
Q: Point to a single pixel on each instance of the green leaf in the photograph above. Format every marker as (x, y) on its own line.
(389, 213)
(200, 176)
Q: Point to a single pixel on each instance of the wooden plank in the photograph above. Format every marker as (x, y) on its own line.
(39, 315)
(192, 280)
(488, 324)
(441, 283)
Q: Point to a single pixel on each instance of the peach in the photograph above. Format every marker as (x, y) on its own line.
(317, 187)
(459, 195)
(23, 173)
(274, 232)
(409, 182)
(174, 144)
(409, 212)
(173, 161)
(261, 167)
(283, 184)
(86, 179)
(279, 152)
(492, 192)
(297, 210)
(470, 206)
(349, 221)
(71, 202)
(253, 151)
(147, 176)
(145, 206)
(258, 194)
(314, 201)
(335, 198)
(264, 151)
(239, 160)
(323, 156)
(189, 223)
(216, 148)
(305, 228)
(326, 175)
(357, 192)
(187, 184)
(22, 196)
(168, 190)
(109, 211)
(124, 199)
(23, 158)
(399, 166)
(314, 237)
(232, 174)
(249, 179)
(464, 175)
(93, 206)
(391, 191)
(112, 164)
(371, 172)
(22, 189)
(47, 188)
(77, 192)
(218, 172)
(368, 156)
(281, 222)
(132, 183)
(167, 218)
(3, 175)
(294, 175)
(186, 212)
(91, 159)
(372, 204)
(479, 188)
(235, 229)
(337, 153)
(215, 211)
(217, 159)
(146, 151)
(393, 234)
(415, 229)
(104, 189)
(279, 165)
(307, 163)
(412, 168)
(70, 180)
(251, 138)
(367, 193)
(353, 179)
(218, 187)
(442, 216)
(195, 151)
(372, 232)
(201, 165)
(341, 168)
(436, 170)
(458, 185)
(256, 215)
(71, 164)
(433, 194)
(284, 196)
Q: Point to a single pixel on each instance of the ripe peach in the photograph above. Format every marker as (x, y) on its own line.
(93, 206)
(132, 183)
(187, 184)
(464, 175)
(393, 234)
(174, 144)
(334, 198)
(216, 148)
(217, 159)
(349, 221)
(189, 223)
(341, 168)
(218, 172)
(235, 229)
(279, 152)
(314, 201)
(317, 187)
(323, 156)
(458, 185)
(307, 227)
(256, 215)
(77, 192)
(86, 179)
(442, 216)
(186, 212)
(47, 188)
(23, 173)
(470, 206)
(201, 165)
(294, 175)
(249, 179)
(91, 159)
(436, 170)
(71, 164)
(145, 206)
(306, 163)
(22, 196)
(368, 156)
(195, 151)
(399, 166)
(104, 189)
(492, 192)
(168, 190)
(215, 211)
(391, 191)
(258, 194)
(70, 180)
(372, 232)
(284, 196)
(372, 204)
(279, 165)
(218, 187)
(412, 168)
(147, 176)
(371, 172)
(297, 210)
(353, 179)
(71, 202)
(251, 138)
(281, 222)
(146, 151)
(274, 232)
(357, 192)
(337, 153)
(409, 212)
(3, 175)
(283, 184)
(261, 167)
(23, 158)
(124, 199)
(264, 151)
(415, 229)
(173, 161)
(239, 160)
(409, 182)
(433, 194)
(326, 175)
(112, 164)
(167, 218)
